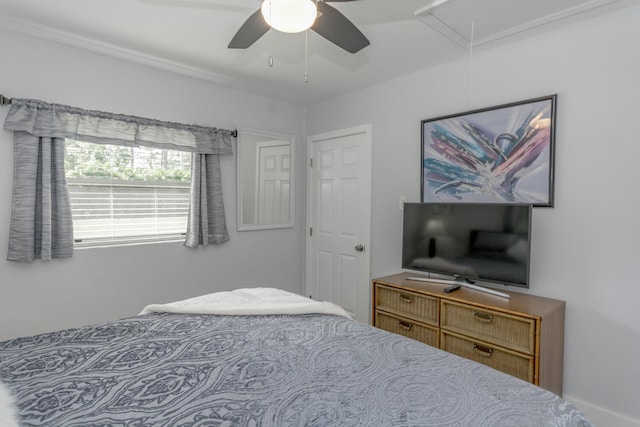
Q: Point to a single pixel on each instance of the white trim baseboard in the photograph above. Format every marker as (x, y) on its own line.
(602, 417)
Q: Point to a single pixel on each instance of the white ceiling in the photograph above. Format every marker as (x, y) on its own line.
(191, 36)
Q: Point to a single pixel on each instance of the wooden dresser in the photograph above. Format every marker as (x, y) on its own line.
(522, 336)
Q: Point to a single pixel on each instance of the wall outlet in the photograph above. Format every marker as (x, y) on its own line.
(403, 200)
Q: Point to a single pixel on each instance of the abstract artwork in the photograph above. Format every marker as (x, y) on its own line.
(501, 154)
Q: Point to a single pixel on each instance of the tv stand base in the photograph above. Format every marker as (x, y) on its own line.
(458, 283)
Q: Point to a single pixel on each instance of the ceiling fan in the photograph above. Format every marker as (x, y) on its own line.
(329, 23)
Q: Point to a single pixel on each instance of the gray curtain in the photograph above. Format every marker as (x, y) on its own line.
(207, 224)
(41, 225)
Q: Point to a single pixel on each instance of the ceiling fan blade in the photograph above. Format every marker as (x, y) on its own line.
(249, 33)
(335, 27)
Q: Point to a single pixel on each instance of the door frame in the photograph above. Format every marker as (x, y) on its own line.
(365, 129)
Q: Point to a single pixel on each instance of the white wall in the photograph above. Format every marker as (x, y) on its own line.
(585, 249)
(104, 284)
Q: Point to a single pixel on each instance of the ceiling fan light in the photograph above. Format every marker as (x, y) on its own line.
(289, 16)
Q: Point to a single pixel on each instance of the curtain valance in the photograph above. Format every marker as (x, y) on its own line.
(43, 119)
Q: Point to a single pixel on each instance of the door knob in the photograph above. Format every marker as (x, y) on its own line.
(359, 248)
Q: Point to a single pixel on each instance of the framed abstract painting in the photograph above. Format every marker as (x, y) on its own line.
(502, 154)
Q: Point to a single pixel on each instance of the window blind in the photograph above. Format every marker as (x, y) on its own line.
(127, 212)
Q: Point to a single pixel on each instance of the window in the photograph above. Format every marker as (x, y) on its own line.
(126, 195)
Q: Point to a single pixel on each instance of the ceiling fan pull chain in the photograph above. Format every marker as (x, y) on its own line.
(306, 56)
(271, 47)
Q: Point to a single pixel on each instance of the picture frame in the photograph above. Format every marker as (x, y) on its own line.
(501, 154)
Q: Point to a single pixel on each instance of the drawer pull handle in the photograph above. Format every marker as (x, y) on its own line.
(483, 351)
(405, 325)
(483, 317)
(406, 298)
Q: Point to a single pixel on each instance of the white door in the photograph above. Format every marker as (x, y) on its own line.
(273, 184)
(339, 218)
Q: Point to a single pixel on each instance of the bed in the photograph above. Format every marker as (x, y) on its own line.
(258, 357)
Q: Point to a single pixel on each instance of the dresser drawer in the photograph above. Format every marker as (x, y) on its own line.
(418, 307)
(408, 328)
(513, 332)
(512, 363)
(522, 336)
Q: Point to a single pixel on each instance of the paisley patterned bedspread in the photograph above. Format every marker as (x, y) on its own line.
(280, 370)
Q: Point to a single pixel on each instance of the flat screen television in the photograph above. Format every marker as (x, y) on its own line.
(476, 242)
